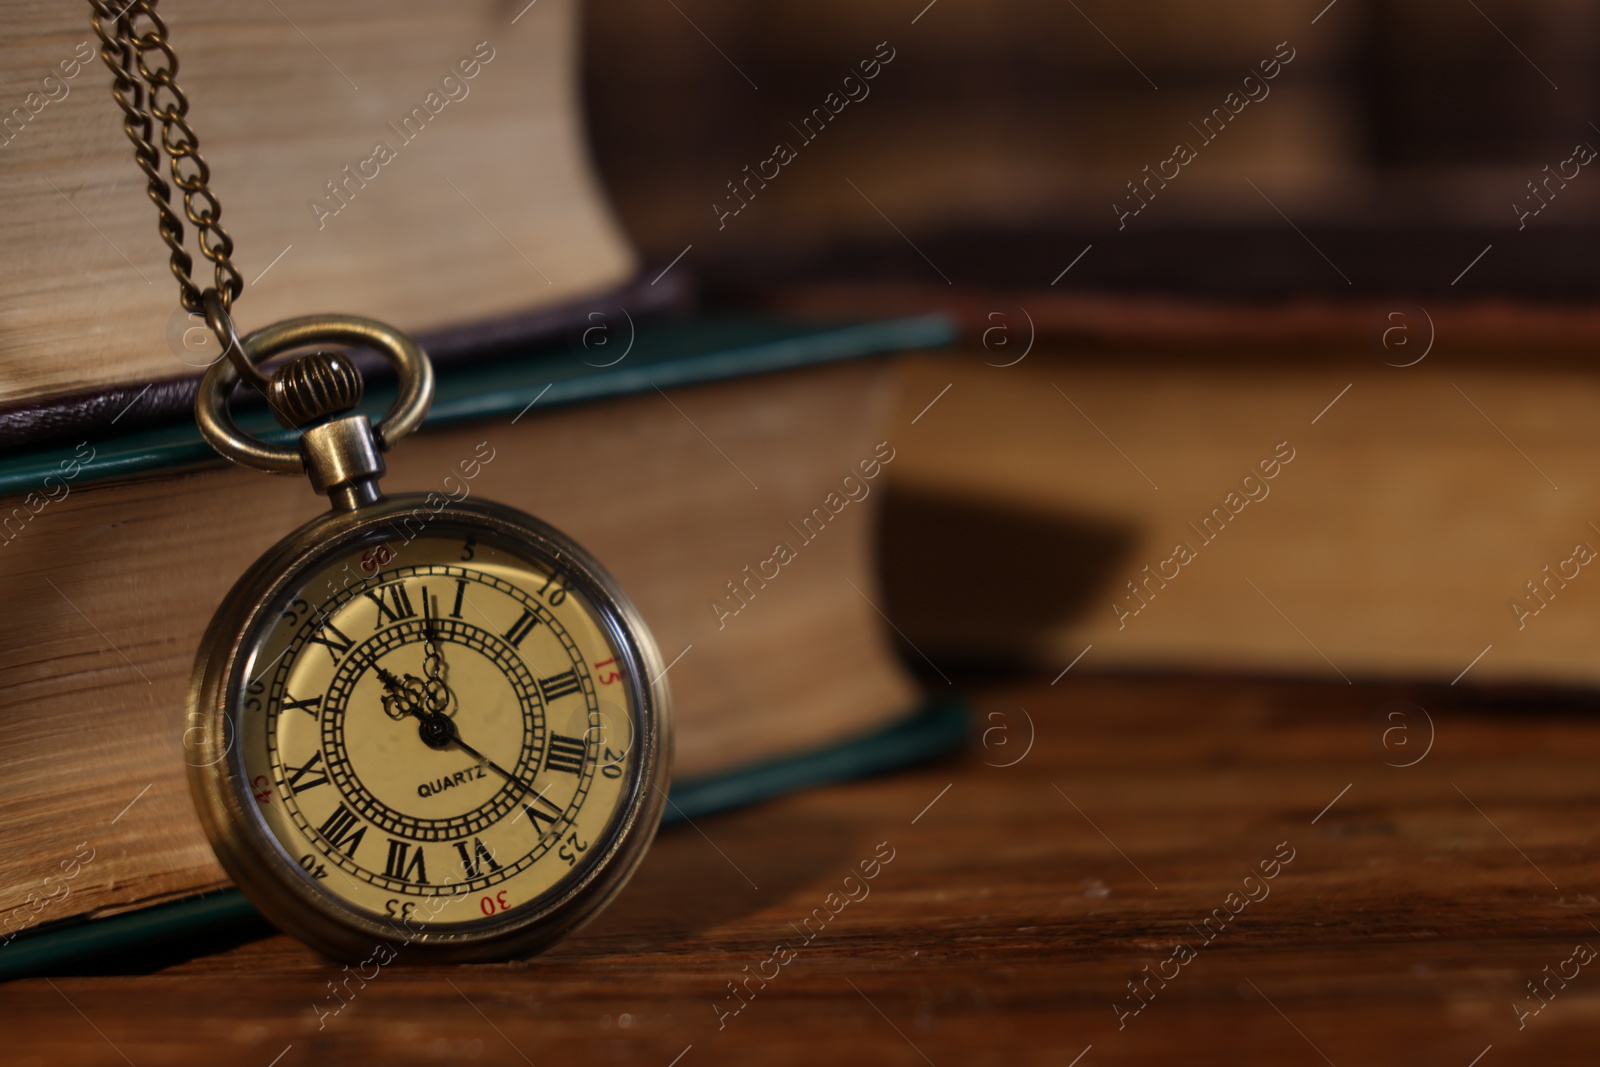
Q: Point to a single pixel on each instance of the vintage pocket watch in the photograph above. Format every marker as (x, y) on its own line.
(415, 720)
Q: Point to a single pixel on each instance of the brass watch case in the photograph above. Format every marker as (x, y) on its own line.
(274, 882)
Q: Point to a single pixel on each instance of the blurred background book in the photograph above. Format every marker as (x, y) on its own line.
(1377, 253)
(1399, 136)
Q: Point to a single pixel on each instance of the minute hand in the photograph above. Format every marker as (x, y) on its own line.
(492, 765)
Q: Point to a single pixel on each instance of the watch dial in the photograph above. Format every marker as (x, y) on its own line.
(438, 731)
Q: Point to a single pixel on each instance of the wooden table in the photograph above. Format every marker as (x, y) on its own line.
(1019, 902)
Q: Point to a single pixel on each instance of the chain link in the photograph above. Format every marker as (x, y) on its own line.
(143, 82)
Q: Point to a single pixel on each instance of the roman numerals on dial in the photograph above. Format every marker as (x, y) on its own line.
(333, 639)
(539, 810)
(520, 628)
(565, 754)
(394, 603)
(307, 777)
(308, 706)
(337, 830)
(472, 861)
(405, 864)
(560, 685)
(522, 658)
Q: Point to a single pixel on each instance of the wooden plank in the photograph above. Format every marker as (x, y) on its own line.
(1414, 910)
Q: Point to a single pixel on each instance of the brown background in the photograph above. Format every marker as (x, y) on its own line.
(1002, 132)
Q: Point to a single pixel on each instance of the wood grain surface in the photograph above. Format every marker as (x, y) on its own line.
(1018, 903)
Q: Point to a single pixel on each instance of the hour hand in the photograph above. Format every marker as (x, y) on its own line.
(405, 696)
(439, 696)
(433, 664)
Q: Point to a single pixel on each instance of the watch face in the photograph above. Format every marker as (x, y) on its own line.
(438, 735)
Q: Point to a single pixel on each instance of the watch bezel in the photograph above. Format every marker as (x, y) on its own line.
(251, 853)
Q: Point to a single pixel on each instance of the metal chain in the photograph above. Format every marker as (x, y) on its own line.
(143, 68)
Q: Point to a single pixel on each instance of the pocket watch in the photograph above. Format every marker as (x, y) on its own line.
(416, 720)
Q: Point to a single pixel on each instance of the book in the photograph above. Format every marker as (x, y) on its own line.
(681, 466)
(1344, 490)
(1360, 131)
(423, 164)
